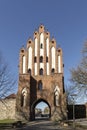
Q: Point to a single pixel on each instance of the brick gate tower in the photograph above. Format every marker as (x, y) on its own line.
(41, 77)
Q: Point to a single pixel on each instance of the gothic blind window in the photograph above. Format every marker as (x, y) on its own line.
(30, 57)
(41, 38)
(53, 57)
(41, 58)
(41, 71)
(53, 70)
(36, 46)
(29, 71)
(23, 97)
(47, 47)
(40, 85)
(23, 64)
(35, 59)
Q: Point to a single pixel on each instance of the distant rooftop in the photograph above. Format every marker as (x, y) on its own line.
(11, 96)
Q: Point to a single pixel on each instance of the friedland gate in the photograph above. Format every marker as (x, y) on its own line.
(41, 77)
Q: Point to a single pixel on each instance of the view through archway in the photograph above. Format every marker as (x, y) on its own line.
(42, 110)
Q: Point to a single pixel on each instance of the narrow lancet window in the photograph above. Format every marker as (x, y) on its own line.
(29, 71)
(47, 59)
(41, 58)
(53, 71)
(40, 85)
(41, 45)
(35, 59)
(41, 71)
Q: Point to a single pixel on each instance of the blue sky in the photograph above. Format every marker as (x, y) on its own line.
(66, 20)
(41, 105)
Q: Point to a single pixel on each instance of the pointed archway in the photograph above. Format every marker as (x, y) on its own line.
(40, 112)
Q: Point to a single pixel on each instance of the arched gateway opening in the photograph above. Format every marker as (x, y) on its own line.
(41, 110)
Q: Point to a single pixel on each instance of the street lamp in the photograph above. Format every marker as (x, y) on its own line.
(73, 95)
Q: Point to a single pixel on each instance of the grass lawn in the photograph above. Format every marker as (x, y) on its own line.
(7, 121)
(10, 123)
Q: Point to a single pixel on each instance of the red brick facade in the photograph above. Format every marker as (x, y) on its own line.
(41, 77)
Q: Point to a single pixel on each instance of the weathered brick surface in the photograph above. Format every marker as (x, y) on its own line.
(7, 109)
(49, 82)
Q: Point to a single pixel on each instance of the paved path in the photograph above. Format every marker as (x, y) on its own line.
(46, 125)
(43, 125)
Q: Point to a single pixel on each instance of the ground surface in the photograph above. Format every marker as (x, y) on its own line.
(41, 125)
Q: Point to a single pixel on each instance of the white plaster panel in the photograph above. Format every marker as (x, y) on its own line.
(42, 42)
(30, 58)
(53, 57)
(41, 52)
(41, 38)
(35, 68)
(47, 68)
(42, 65)
(24, 62)
(36, 49)
(47, 46)
(59, 64)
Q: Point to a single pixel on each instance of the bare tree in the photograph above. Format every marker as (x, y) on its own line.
(7, 81)
(79, 74)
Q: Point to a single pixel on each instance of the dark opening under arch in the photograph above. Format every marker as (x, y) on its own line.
(37, 113)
